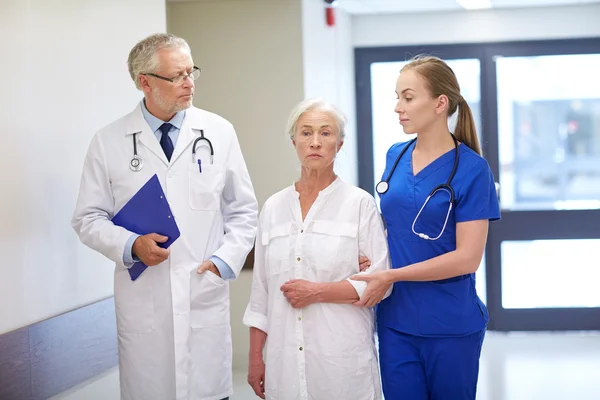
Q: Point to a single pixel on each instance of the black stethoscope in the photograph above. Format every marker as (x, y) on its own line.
(136, 164)
(383, 186)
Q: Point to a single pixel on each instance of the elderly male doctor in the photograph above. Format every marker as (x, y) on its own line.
(173, 321)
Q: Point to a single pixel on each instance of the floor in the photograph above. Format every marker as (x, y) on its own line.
(514, 366)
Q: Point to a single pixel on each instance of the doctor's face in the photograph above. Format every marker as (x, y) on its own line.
(317, 140)
(171, 97)
(416, 107)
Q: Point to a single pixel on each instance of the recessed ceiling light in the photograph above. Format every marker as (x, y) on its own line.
(475, 4)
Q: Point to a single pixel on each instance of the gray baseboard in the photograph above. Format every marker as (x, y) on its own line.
(51, 356)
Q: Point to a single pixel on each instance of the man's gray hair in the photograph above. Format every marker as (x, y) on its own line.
(142, 58)
(316, 104)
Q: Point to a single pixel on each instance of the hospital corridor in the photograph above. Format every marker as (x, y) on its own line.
(300, 199)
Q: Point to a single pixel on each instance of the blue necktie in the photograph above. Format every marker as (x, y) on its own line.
(165, 140)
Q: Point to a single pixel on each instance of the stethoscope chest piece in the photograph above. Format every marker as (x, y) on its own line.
(136, 164)
(382, 187)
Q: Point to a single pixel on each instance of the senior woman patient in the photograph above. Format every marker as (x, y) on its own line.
(319, 345)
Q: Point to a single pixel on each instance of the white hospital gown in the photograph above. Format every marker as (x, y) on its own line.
(323, 351)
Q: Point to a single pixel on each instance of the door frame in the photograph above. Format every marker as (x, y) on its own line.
(514, 225)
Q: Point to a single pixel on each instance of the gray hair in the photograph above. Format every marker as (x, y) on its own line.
(142, 58)
(316, 104)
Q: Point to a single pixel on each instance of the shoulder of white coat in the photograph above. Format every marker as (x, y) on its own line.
(215, 120)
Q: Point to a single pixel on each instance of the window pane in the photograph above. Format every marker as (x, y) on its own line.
(550, 273)
(549, 132)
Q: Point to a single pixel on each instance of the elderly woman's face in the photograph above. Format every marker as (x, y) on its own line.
(317, 139)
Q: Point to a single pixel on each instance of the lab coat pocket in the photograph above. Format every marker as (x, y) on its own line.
(277, 249)
(206, 187)
(209, 305)
(335, 245)
(134, 302)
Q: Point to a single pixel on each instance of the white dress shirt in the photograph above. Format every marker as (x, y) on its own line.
(323, 351)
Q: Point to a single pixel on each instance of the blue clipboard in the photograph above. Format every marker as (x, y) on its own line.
(147, 212)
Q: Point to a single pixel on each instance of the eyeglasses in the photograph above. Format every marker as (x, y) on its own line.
(195, 74)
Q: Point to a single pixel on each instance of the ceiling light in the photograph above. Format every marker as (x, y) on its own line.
(475, 4)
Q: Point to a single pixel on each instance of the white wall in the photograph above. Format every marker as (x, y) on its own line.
(477, 26)
(328, 61)
(251, 75)
(64, 76)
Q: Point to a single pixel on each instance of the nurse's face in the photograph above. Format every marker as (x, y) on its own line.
(171, 97)
(415, 107)
(317, 140)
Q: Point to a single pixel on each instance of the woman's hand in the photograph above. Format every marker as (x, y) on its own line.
(378, 284)
(300, 293)
(363, 263)
(256, 375)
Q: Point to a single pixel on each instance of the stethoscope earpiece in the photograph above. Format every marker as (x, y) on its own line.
(210, 146)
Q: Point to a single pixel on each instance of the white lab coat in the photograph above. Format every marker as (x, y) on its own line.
(323, 351)
(173, 325)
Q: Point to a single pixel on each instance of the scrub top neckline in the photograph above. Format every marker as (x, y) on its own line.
(432, 163)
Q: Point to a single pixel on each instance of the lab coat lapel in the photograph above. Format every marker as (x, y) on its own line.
(138, 125)
(190, 129)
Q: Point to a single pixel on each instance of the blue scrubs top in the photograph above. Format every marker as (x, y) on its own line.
(441, 308)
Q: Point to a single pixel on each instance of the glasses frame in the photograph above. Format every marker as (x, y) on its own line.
(179, 78)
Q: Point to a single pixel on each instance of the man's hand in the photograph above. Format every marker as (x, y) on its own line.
(300, 293)
(363, 263)
(209, 266)
(256, 375)
(146, 249)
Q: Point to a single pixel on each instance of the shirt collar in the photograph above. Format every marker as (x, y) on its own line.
(156, 123)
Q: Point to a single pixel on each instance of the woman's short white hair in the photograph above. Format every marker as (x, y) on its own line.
(316, 104)
(142, 58)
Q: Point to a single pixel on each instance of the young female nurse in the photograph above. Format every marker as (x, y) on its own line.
(437, 195)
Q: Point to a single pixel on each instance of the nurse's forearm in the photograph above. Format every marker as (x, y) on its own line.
(336, 292)
(449, 265)
(257, 342)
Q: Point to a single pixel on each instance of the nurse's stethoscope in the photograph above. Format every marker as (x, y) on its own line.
(136, 164)
(383, 186)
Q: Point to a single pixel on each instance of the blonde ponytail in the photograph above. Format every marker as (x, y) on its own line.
(465, 130)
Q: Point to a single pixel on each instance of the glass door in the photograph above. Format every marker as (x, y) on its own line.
(548, 163)
(537, 109)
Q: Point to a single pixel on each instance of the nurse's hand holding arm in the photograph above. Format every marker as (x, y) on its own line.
(470, 243)
(301, 293)
(372, 246)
